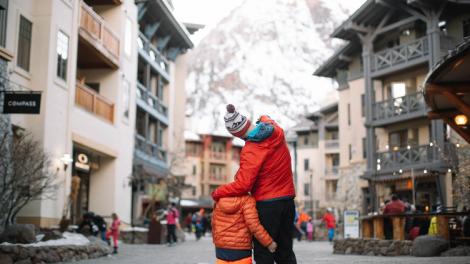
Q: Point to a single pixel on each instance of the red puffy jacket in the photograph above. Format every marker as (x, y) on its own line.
(265, 169)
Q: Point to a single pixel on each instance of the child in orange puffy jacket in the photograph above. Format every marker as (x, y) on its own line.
(234, 222)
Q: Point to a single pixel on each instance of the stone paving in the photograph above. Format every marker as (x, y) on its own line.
(202, 252)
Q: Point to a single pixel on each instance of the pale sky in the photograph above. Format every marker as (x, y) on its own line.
(210, 12)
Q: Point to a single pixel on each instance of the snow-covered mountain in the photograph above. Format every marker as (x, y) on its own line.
(261, 58)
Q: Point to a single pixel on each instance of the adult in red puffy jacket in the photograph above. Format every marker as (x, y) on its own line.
(265, 172)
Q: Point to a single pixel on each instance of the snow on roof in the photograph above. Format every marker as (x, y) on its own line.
(238, 142)
(191, 136)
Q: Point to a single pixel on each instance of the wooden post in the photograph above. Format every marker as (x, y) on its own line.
(367, 228)
(443, 226)
(398, 228)
(379, 227)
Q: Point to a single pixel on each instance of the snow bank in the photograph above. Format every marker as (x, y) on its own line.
(69, 239)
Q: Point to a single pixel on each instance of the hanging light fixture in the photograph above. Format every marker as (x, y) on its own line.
(461, 120)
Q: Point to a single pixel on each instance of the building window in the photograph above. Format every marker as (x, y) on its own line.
(126, 94)
(3, 21)
(306, 189)
(466, 28)
(363, 105)
(349, 114)
(24, 44)
(194, 169)
(305, 140)
(62, 55)
(128, 37)
(306, 164)
(350, 151)
(194, 191)
(364, 153)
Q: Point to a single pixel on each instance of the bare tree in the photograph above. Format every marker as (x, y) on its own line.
(25, 174)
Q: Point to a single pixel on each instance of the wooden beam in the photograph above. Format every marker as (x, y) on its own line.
(150, 29)
(458, 102)
(345, 58)
(356, 27)
(161, 44)
(400, 6)
(381, 25)
(442, 114)
(397, 25)
(458, 129)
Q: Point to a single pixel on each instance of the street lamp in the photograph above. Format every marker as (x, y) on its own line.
(66, 160)
(461, 120)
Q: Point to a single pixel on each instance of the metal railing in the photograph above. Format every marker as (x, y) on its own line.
(400, 54)
(398, 106)
(144, 44)
(332, 171)
(98, 30)
(149, 148)
(93, 102)
(218, 155)
(332, 143)
(145, 95)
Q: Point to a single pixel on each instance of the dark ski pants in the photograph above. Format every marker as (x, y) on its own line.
(277, 217)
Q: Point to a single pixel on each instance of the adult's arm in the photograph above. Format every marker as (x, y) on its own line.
(251, 161)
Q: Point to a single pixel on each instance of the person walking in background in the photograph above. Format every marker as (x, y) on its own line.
(304, 218)
(172, 216)
(235, 222)
(310, 230)
(114, 232)
(330, 222)
(188, 222)
(197, 223)
(265, 171)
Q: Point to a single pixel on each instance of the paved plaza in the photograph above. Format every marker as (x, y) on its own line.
(202, 252)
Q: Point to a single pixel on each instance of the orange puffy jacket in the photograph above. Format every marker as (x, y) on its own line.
(265, 169)
(235, 221)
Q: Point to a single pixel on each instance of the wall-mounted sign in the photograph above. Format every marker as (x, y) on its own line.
(82, 163)
(351, 224)
(21, 102)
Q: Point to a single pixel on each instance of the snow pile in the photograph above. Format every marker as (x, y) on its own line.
(69, 239)
(261, 59)
(135, 229)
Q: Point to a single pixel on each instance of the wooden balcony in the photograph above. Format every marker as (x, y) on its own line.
(98, 44)
(93, 102)
(400, 57)
(406, 158)
(398, 109)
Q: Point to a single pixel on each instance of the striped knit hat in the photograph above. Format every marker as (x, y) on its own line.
(236, 123)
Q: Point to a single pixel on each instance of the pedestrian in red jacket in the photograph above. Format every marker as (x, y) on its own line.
(114, 232)
(265, 172)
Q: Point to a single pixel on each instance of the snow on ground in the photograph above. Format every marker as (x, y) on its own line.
(69, 239)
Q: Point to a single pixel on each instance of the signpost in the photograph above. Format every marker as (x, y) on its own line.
(351, 224)
(21, 102)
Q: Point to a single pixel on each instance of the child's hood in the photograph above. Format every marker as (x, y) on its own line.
(230, 205)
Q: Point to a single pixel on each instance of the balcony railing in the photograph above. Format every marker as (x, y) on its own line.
(144, 44)
(93, 102)
(332, 143)
(218, 155)
(149, 148)
(332, 171)
(216, 177)
(145, 95)
(400, 54)
(403, 157)
(400, 106)
(100, 34)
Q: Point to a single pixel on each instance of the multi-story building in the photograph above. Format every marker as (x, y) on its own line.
(391, 46)
(160, 98)
(316, 153)
(211, 161)
(81, 57)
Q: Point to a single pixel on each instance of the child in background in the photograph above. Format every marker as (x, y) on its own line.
(234, 223)
(114, 232)
(310, 230)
